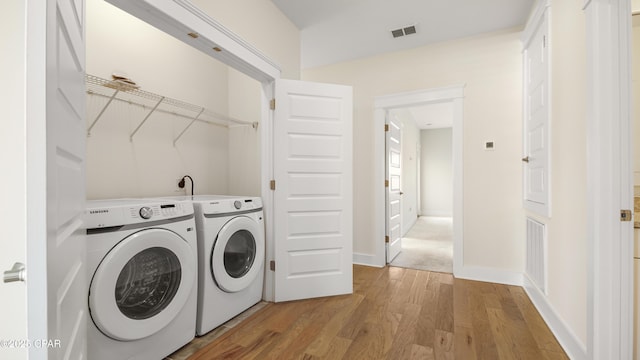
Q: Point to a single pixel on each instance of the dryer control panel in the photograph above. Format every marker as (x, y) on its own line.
(108, 213)
(229, 205)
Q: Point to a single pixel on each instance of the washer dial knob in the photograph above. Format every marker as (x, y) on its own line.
(146, 212)
(237, 204)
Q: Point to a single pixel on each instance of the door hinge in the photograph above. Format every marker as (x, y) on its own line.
(272, 184)
(386, 127)
(386, 239)
(386, 183)
(626, 215)
(272, 265)
(544, 41)
(272, 104)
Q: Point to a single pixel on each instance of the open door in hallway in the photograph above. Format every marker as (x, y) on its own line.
(394, 172)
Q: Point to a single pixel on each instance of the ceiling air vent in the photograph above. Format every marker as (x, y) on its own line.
(397, 33)
(410, 30)
(403, 31)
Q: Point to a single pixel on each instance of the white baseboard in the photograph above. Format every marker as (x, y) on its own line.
(574, 348)
(487, 274)
(445, 213)
(366, 259)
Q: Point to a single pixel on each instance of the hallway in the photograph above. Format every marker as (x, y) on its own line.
(428, 245)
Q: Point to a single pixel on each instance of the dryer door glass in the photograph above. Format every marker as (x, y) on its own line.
(239, 253)
(147, 283)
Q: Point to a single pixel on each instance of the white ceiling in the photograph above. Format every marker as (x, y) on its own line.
(339, 30)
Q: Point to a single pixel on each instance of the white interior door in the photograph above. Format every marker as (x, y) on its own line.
(313, 199)
(393, 183)
(13, 296)
(56, 269)
(536, 121)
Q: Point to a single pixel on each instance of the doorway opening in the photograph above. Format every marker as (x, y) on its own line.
(390, 107)
(427, 187)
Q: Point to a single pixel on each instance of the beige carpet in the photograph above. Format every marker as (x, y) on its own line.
(428, 245)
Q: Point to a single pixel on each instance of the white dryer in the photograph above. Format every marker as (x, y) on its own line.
(142, 257)
(231, 250)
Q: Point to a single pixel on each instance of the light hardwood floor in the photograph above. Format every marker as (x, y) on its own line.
(394, 313)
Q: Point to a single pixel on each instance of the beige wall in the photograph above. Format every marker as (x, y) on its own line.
(150, 164)
(221, 160)
(567, 262)
(490, 66)
(244, 141)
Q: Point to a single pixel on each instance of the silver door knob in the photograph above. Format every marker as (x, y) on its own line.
(17, 273)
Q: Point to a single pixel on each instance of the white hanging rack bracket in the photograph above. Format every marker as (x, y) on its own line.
(96, 86)
(146, 118)
(102, 112)
(188, 126)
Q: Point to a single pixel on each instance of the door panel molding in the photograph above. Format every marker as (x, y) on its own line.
(536, 114)
(313, 198)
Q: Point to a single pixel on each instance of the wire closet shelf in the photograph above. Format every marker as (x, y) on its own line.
(123, 91)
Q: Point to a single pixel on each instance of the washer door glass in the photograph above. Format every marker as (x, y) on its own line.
(148, 283)
(239, 253)
(237, 256)
(142, 284)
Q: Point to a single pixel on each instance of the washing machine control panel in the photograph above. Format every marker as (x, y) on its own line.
(146, 212)
(99, 215)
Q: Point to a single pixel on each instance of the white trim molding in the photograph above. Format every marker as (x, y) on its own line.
(609, 180)
(185, 22)
(534, 21)
(567, 339)
(366, 260)
(488, 274)
(382, 104)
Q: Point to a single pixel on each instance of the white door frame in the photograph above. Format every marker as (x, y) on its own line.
(36, 165)
(610, 179)
(13, 300)
(382, 104)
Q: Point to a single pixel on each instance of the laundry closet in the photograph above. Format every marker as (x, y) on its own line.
(175, 112)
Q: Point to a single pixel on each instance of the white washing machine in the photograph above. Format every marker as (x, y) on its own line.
(142, 261)
(231, 250)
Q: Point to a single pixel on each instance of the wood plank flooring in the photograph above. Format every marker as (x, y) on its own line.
(395, 313)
